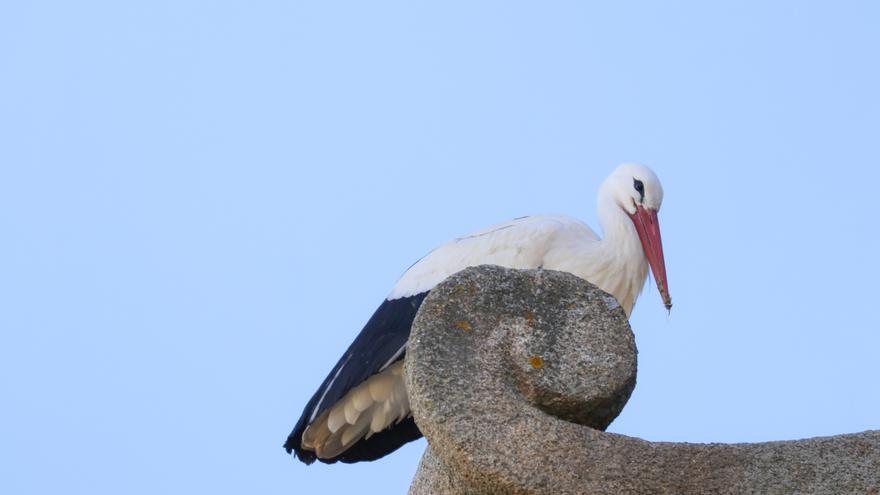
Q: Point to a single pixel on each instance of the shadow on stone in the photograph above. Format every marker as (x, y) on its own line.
(513, 374)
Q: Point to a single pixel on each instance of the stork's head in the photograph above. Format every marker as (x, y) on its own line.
(637, 190)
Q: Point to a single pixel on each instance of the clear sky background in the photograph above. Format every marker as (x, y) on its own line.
(201, 203)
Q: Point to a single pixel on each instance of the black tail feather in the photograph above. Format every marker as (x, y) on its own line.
(376, 447)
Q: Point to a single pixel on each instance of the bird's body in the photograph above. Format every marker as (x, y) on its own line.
(361, 411)
(552, 242)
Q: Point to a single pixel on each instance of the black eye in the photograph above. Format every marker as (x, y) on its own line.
(640, 187)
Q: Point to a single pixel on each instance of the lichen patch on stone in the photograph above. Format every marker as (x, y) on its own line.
(464, 325)
(537, 362)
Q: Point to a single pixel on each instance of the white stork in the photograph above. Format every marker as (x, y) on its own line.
(361, 411)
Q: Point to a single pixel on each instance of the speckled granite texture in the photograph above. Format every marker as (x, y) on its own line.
(512, 375)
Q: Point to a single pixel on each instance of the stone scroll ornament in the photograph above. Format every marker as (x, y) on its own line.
(513, 376)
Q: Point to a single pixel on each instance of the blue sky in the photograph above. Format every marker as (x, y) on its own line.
(202, 202)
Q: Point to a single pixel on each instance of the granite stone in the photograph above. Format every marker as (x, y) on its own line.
(514, 374)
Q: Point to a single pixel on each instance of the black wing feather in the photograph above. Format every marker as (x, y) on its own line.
(381, 338)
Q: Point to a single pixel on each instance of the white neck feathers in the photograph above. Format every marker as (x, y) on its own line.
(616, 263)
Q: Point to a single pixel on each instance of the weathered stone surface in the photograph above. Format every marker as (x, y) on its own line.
(512, 375)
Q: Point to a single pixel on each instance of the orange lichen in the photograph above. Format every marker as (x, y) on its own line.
(464, 325)
(530, 318)
(537, 362)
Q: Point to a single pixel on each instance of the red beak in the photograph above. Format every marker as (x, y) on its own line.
(648, 228)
